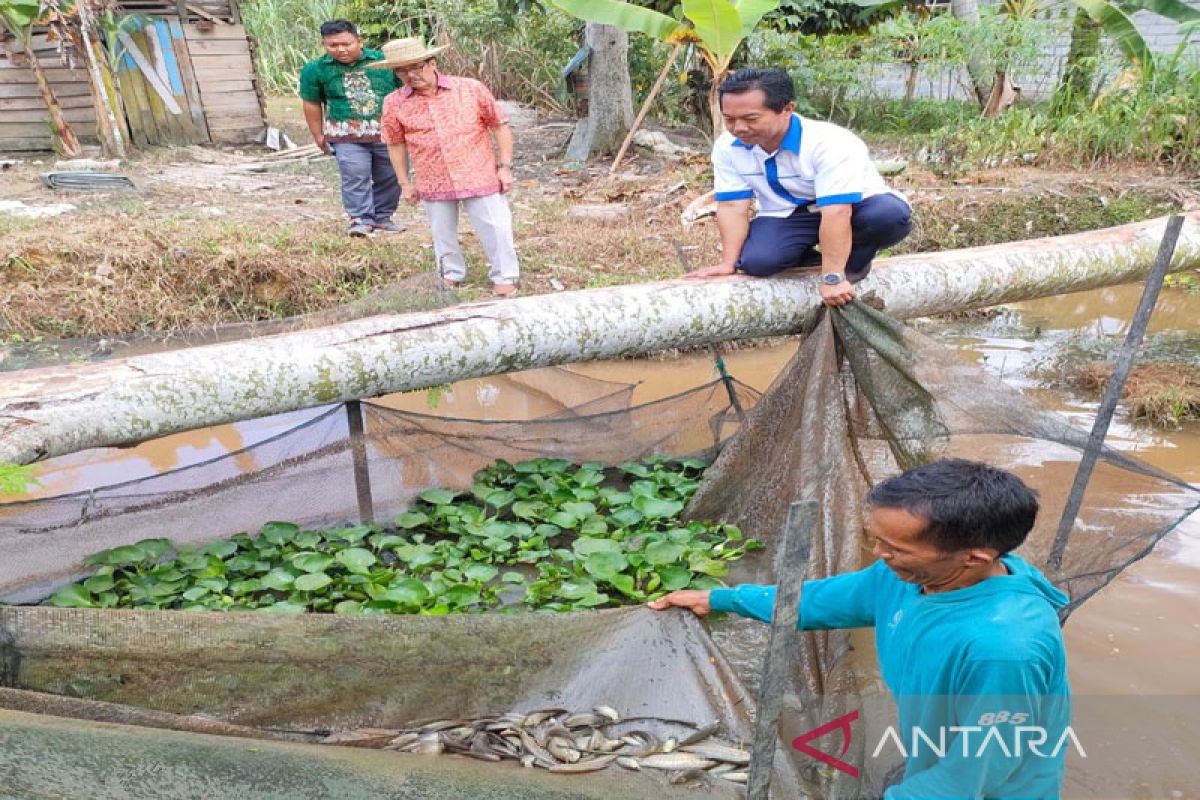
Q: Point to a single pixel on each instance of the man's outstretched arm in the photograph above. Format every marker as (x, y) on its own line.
(733, 223)
(843, 601)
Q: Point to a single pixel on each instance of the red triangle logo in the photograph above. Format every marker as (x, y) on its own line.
(842, 724)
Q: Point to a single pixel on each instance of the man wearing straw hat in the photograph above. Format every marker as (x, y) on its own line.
(440, 125)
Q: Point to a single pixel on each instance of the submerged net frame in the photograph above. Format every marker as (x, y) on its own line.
(863, 398)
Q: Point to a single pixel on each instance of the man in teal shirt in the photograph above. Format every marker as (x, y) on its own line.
(342, 104)
(967, 633)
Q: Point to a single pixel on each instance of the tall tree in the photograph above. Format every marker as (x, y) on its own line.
(19, 18)
(981, 82)
(1079, 71)
(610, 95)
(716, 27)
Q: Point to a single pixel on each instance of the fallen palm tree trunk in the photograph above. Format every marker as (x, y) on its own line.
(56, 410)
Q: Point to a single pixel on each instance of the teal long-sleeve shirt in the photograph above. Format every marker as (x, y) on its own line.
(984, 667)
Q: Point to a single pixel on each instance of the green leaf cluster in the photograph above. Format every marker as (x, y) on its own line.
(18, 16)
(541, 534)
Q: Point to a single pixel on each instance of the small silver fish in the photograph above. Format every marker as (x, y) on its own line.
(628, 763)
(441, 725)
(735, 777)
(673, 761)
(562, 749)
(428, 744)
(361, 737)
(701, 733)
(585, 720)
(402, 740)
(641, 742)
(686, 775)
(590, 765)
(718, 752)
(608, 711)
(541, 757)
(535, 718)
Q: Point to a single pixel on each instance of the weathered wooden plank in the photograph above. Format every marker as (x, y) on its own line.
(236, 135)
(137, 107)
(207, 74)
(36, 130)
(191, 85)
(213, 87)
(53, 74)
(27, 144)
(61, 90)
(241, 62)
(8, 104)
(218, 33)
(173, 126)
(219, 47)
(233, 105)
(223, 125)
(72, 115)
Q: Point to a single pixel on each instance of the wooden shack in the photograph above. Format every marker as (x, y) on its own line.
(182, 73)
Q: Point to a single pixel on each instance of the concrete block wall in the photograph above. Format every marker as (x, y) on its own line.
(1038, 80)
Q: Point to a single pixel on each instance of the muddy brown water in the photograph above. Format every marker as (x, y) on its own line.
(1133, 648)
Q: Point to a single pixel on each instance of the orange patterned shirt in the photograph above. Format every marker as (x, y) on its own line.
(447, 137)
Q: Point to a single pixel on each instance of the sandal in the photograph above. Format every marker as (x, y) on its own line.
(504, 289)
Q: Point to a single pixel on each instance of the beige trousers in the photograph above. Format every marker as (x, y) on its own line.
(492, 220)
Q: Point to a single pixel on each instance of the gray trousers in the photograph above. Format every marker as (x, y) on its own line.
(492, 220)
(370, 191)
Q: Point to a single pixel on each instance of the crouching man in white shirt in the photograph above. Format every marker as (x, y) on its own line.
(814, 182)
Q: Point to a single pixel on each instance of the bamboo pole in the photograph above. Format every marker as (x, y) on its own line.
(641, 115)
(1112, 391)
(57, 410)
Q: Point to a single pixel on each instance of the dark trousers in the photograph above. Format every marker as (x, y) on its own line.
(370, 191)
(779, 243)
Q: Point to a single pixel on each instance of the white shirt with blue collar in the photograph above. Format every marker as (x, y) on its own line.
(817, 164)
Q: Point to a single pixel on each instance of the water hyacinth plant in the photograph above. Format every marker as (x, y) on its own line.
(541, 534)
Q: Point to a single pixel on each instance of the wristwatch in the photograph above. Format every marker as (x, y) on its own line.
(832, 278)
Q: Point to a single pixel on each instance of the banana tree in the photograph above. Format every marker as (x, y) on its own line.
(715, 27)
(18, 18)
(1112, 19)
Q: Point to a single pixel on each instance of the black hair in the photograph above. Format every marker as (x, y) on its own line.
(776, 85)
(965, 503)
(335, 26)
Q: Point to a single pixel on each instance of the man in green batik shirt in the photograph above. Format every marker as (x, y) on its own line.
(342, 104)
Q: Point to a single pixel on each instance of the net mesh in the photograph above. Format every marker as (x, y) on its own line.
(863, 398)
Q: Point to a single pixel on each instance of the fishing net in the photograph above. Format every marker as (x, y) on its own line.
(863, 398)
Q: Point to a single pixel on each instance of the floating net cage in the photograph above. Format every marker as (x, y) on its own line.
(863, 398)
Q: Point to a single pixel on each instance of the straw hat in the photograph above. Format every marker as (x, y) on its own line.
(402, 52)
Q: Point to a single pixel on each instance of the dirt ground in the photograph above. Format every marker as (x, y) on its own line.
(218, 236)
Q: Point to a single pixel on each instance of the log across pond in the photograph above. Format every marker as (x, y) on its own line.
(57, 410)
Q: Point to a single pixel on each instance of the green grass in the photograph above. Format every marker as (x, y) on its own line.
(287, 35)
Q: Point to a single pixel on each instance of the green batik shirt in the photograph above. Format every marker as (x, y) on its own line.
(351, 95)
